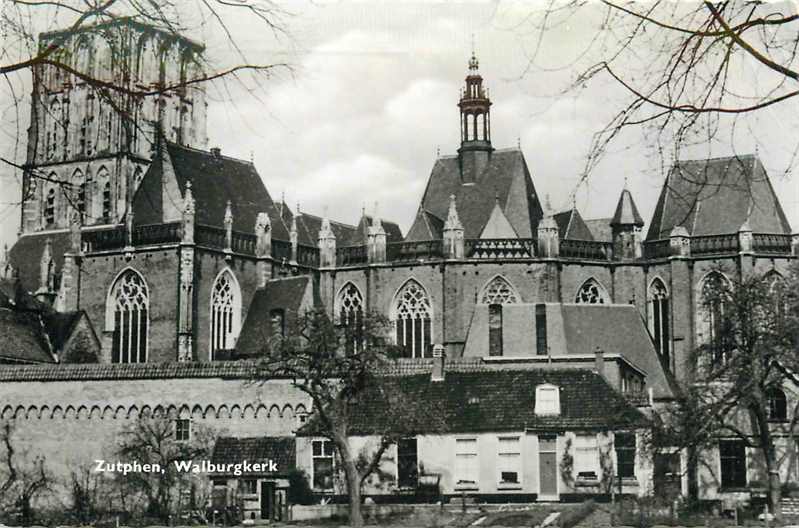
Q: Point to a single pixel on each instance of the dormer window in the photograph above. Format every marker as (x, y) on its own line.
(547, 400)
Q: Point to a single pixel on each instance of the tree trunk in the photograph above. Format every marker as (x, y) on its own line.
(353, 479)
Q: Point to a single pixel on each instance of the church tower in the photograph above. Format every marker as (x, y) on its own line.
(475, 109)
(92, 136)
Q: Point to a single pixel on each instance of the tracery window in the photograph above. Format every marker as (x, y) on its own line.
(412, 316)
(106, 213)
(499, 291)
(712, 311)
(591, 292)
(53, 135)
(129, 300)
(659, 318)
(225, 312)
(350, 316)
(49, 208)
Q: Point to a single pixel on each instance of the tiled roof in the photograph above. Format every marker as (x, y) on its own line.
(496, 400)
(85, 372)
(600, 229)
(279, 449)
(571, 225)
(23, 337)
(27, 252)
(616, 329)
(626, 211)
(285, 294)
(308, 227)
(506, 176)
(426, 226)
(717, 196)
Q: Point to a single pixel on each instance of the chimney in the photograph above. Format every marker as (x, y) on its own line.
(216, 152)
(438, 363)
(599, 361)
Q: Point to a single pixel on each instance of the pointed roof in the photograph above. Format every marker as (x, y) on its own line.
(426, 226)
(215, 180)
(626, 211)
(27, 252)
(308, 227)
(600, 229)
(505, 175)
(572, 226)
(498, 225)
(716, 196)
(360, 235)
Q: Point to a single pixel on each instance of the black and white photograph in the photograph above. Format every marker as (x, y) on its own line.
(401, 263)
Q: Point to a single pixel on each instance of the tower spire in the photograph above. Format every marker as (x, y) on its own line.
(475, 110)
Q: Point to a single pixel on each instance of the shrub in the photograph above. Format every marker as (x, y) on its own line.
(299, 489)
(571, 518)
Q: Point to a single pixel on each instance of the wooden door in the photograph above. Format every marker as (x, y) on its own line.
(548, 467)
(267, 500)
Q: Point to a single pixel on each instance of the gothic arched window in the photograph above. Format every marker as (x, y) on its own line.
(225, 312)
(53, 135)
(591, 292)
(499, 291)
(128, 305)
(776, 290)
(349, 307)
(776, 405)
(412, 315)
(106, 212)
(659, 318)
(714, 290)
(49, 207)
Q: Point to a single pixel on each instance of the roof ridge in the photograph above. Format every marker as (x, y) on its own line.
(211, 154)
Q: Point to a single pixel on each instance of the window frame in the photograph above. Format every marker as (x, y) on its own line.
(323, 442)
(466, 459)
(515, 455)
(414, 480)
(182, 430)
(739, 472)
(245, 483)
(539, 407)
(495, 328)
(592, 464)
(627, 450)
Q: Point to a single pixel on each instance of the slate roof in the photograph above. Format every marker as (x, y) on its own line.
(27, 252)
(506, 176)
(280, 449)
(60, 325)
(426, 226)
(215, 180)
(493, 401)
(572, 226)
(23, 337)
(600, 229)
(616, 329)
(626, 211)
(308, 227)
(717, 196)
(360, 235)
(286, 294)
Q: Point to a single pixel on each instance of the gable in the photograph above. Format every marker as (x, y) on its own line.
(498, 225)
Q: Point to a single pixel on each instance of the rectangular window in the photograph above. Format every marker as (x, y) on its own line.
(586, 457)
(547, 401)
(541, 346)
(407, 463)
(466, 468)
(249, 487)
(495, 330)
(509, 460)
(182, 430)
(625, 454)
(322, 465)
(733, 463)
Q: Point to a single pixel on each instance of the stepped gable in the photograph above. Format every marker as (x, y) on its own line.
(505, 177)
(493, 401)
(717, 196)
(616, 329)
(572, 226)
(215, 180)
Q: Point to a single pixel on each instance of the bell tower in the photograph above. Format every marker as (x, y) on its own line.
(475, 110)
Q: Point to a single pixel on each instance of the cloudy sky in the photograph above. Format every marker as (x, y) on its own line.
(372, 98)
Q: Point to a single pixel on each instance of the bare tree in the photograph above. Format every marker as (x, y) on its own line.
(340, 366)
(690, 70)
(24, 479)
(741, 371)
(153, 440)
